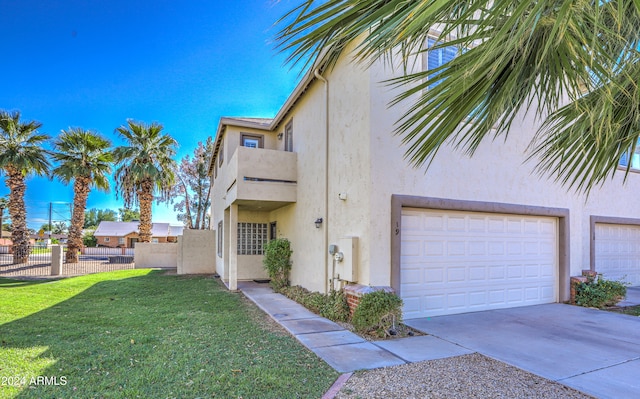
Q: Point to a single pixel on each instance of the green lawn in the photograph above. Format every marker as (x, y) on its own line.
(142, 334)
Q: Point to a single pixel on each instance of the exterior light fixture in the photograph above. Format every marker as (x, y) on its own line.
(280, 135)
(318, 223)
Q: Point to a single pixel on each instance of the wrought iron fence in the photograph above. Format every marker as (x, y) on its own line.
(100, 259)
(90, 260)
(38, 262)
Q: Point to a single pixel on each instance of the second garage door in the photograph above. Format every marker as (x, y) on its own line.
(457, 262)
(617, 252)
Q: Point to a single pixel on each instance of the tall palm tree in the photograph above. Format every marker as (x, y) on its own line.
(144, 167)
(21, 155)
(84, 157)
(575, 63)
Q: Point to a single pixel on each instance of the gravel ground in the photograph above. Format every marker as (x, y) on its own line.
(466, 376)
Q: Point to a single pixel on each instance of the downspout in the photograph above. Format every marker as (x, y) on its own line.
(318, 76)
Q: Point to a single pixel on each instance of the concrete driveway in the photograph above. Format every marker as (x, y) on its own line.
(594, 351)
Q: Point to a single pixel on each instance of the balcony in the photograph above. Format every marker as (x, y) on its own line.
(259, 179)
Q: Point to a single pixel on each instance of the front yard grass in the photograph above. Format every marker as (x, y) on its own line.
(142, 334)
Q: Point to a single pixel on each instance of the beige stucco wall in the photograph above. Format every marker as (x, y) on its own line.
(497, 172)
(150, 255)
(196, 252)
(348, 158)
(366, 163)
(296, 221)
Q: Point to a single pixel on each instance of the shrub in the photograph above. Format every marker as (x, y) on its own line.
(377, 313)
(277, 261)
(600, 293)
(89, 240)
(333, 306)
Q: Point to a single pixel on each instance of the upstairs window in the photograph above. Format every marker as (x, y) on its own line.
(252, 140)
(288, 137)
(221, 153)
(435, 58)
(631, 159)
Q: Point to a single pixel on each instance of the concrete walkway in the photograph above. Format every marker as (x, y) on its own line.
(340, 348)
(633, 297)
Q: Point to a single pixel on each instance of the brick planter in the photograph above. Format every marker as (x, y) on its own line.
(575, 281)
(586, 276)
(354, 292)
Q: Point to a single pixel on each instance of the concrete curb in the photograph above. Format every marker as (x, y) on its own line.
(337, 386)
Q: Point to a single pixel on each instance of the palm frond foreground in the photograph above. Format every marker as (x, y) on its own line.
(538, 56)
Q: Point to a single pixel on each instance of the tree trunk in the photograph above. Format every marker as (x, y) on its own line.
(80, 194)
(207, 204)
(145, 197)
(187, 207)
(17, 210)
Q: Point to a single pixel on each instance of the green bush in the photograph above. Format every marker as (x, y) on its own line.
(600, 293)
(377, 313)
(277, 262)
(332, 306)
(89, 240)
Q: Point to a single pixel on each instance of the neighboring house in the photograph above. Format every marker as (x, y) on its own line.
(466, 234)
(5, 238)
(125, 234)
(47, 239)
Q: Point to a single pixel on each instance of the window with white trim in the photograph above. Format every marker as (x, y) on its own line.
(251, 238)
(288, 137)
(121, 240)
(251, 140)
(631, 159)
(435, 58)
(107, 239)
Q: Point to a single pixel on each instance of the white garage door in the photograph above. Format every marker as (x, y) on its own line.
(457, 262)
(618, 252)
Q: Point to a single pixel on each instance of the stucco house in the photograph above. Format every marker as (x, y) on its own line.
(126, 234)
(466, 234)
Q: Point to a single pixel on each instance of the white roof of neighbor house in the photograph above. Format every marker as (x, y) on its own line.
(175, 231)
(121, 229)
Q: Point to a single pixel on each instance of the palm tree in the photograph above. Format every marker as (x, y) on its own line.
(144, 167)
(575, 63)
(84, 157)
(21, 154)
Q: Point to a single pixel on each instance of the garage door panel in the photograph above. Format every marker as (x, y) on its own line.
(433, 223)
(456, 248)
(455, 224)
(617, 252)
(490, 261)
(495, 225)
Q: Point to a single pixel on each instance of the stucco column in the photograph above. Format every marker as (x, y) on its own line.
(233, 247)
(56, 260)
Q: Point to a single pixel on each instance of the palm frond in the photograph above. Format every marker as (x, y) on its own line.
(147, 157)
(538, 57)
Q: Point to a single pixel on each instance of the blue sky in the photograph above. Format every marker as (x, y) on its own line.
(96, 63)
